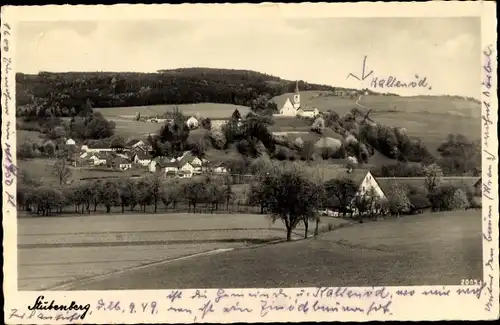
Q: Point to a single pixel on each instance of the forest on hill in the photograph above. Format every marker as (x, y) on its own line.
(68, 94)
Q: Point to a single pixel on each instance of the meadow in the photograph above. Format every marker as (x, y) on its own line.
(429, 118)
(128, 127)
(430, 249)
(42, 170)
(211, 110)
(57, 250)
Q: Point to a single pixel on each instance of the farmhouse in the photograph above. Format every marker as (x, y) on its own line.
(157, 163)
(141, 158)
(96, 148)
(98, 158)
(218, 168)
(307, 112)
(122, 163)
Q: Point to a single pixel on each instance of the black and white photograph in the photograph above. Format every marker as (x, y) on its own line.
(270, 152)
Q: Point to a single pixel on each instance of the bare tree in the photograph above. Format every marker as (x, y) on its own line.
(61, 170)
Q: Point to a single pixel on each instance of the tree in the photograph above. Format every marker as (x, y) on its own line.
(460, 200)
(25, 151)
(49, 149)
(194, 192)
(236, 115)
(61, 170)
(290, 196)
(206, 123)
(433, 176)
(343, 189)
(306, 152)
(128, 194)
(47, 198)
(398, 199)
(367, 203)
(318, 125)
(218, 138)
(460, 155)
(155, 189)
(109, 195)
(117, 142)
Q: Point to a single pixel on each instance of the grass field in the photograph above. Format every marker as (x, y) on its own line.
(55, 250)
(429, 118)
(432, 249)
(128, 127)
(30, 136)
(41, 169)
(211, 110)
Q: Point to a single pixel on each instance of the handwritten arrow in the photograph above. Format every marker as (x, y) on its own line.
(363, 76)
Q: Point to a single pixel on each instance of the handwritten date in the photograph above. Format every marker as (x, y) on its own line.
(150, 307)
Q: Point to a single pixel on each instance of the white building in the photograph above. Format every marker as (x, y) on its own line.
(141, 158)
(98, 159)
(306, 112)
(192, 122)
(70, 142)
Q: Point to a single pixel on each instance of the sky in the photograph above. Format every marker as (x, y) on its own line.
(445, 50)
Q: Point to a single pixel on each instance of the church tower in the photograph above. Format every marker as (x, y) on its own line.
(296, 96)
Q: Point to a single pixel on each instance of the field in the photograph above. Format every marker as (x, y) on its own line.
(212, 110)
(41, 169)
(30, 136)
(127, 127)
(55, 250)
(429, 118)
(432, 249)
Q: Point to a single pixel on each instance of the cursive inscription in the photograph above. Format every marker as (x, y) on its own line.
(390, 81)
(394, 82)
(42, 304)
(9, 168)
(489, 179)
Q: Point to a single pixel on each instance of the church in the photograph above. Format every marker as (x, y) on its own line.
(293, 108)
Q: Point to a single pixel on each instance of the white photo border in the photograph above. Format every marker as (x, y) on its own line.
(402, 307)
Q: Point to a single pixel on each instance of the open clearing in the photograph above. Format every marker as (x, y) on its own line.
(55, 250)
(211, 110)
(429, 118)
(42, 170)
(128, 127)
(431, 249)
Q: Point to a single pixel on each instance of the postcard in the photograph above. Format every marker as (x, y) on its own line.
(250, 163)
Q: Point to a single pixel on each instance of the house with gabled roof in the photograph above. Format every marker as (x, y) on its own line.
(157, 163)
(122, 163)
(141, 158)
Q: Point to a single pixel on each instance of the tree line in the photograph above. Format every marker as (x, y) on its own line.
(287, 194)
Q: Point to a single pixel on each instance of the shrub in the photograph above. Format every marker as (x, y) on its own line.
(459, 199)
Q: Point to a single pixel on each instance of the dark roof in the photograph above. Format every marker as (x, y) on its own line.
(100, 155)
(356, 175)
(385, 183)
(132, 142)
(142, 155)
(121, 160)
(98, 146)
(170, 164)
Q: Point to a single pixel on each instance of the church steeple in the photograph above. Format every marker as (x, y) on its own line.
(296, 96)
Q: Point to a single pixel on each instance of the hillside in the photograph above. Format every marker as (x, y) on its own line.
(67, 93)
(428, 118)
